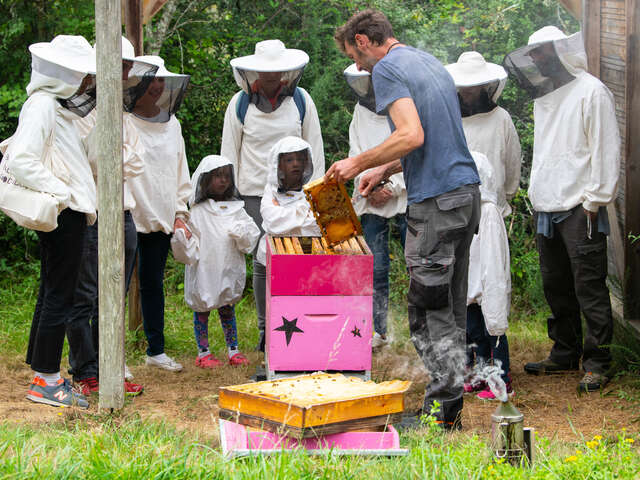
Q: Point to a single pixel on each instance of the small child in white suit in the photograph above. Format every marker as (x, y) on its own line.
(222, 232)
(489, 292)
(284, 208)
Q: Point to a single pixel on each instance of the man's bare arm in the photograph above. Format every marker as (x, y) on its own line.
(407, 136)
(373, 177)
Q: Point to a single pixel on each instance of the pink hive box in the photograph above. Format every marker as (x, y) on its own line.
(238, 440)
(319, 313)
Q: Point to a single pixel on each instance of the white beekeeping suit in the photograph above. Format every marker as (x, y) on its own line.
(250, 132)
(367, 130)
(61, 90)
(222, 233)
(489, 263)
(292, 215)
(576, 152)
(488, 128)
(162, 191)
(136, 75)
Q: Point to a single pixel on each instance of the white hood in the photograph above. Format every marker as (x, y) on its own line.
(208, 163)
(550, 61)
(287, 145)
(58, 67)
(570, 49)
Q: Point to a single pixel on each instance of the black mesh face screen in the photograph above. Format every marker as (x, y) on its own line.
(84, 100)
(258, 85)
(161, 97)
(537, 69)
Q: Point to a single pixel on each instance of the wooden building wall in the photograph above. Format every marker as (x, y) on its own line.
(611, 32)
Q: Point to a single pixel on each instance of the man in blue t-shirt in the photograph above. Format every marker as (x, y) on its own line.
(418, 95)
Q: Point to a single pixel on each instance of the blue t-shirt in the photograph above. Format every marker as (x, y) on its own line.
(443, 163)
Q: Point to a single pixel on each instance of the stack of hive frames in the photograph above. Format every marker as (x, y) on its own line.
(318, 246)
(314, 405)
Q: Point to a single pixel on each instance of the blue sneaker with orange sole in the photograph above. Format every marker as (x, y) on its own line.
(59, 395)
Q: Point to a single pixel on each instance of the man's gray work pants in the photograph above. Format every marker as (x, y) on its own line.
(439, 234)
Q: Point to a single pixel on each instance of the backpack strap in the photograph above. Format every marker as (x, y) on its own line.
(243, 104)
(298, 97)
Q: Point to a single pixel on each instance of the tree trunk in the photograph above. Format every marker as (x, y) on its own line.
(155, 38)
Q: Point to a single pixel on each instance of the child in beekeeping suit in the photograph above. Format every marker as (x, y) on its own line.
(284, 208)
(489, 293)
(222, 232)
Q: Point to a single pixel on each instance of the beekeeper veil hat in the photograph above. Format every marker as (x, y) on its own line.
(202, 176)
(360, 83)
(275, 176)
(65, 67)
(271, 66)
(549, 61)
(473, 70)
(164, 94)
(136, 76)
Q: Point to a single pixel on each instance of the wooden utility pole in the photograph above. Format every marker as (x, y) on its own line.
(110, 202)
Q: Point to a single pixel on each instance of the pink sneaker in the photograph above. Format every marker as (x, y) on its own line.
(238, 359)
(208, 361)
(474, 387)
(487, 394)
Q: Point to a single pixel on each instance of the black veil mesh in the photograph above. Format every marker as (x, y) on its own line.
(249, 81)
(537, 69)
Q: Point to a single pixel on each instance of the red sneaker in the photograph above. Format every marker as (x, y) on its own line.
(208, 361)
(238, 359)
(487, 394)
(132, 389)
(474, 387)
(88, 386)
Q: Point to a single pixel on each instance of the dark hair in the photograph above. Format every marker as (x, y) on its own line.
(372, 23)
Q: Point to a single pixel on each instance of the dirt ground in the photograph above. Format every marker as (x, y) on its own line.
(188, 399)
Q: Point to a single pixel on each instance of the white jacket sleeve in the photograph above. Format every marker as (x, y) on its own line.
(186, 251)
(601, 128)
(495, 274)
(184, 183)
(28, 147)
(132, 150)
(312, 134)
(512, 161)
(396, 184)
(85, 127)
(232, 136)
(244, 232)
(278, 219)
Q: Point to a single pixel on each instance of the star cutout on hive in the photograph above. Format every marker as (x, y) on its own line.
(356, 332)
(288, 327)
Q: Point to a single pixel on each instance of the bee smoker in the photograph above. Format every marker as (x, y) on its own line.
(509, 439)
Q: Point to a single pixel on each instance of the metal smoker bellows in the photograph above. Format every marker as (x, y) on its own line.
(509, 439)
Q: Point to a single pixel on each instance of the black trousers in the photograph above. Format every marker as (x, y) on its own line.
(82, 321)
(60, 259)
(574, 273)
(153, 249)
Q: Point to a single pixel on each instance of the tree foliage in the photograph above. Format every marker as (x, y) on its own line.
(200, 37)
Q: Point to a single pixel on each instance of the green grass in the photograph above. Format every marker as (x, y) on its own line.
(104, 447)
(124, 445)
